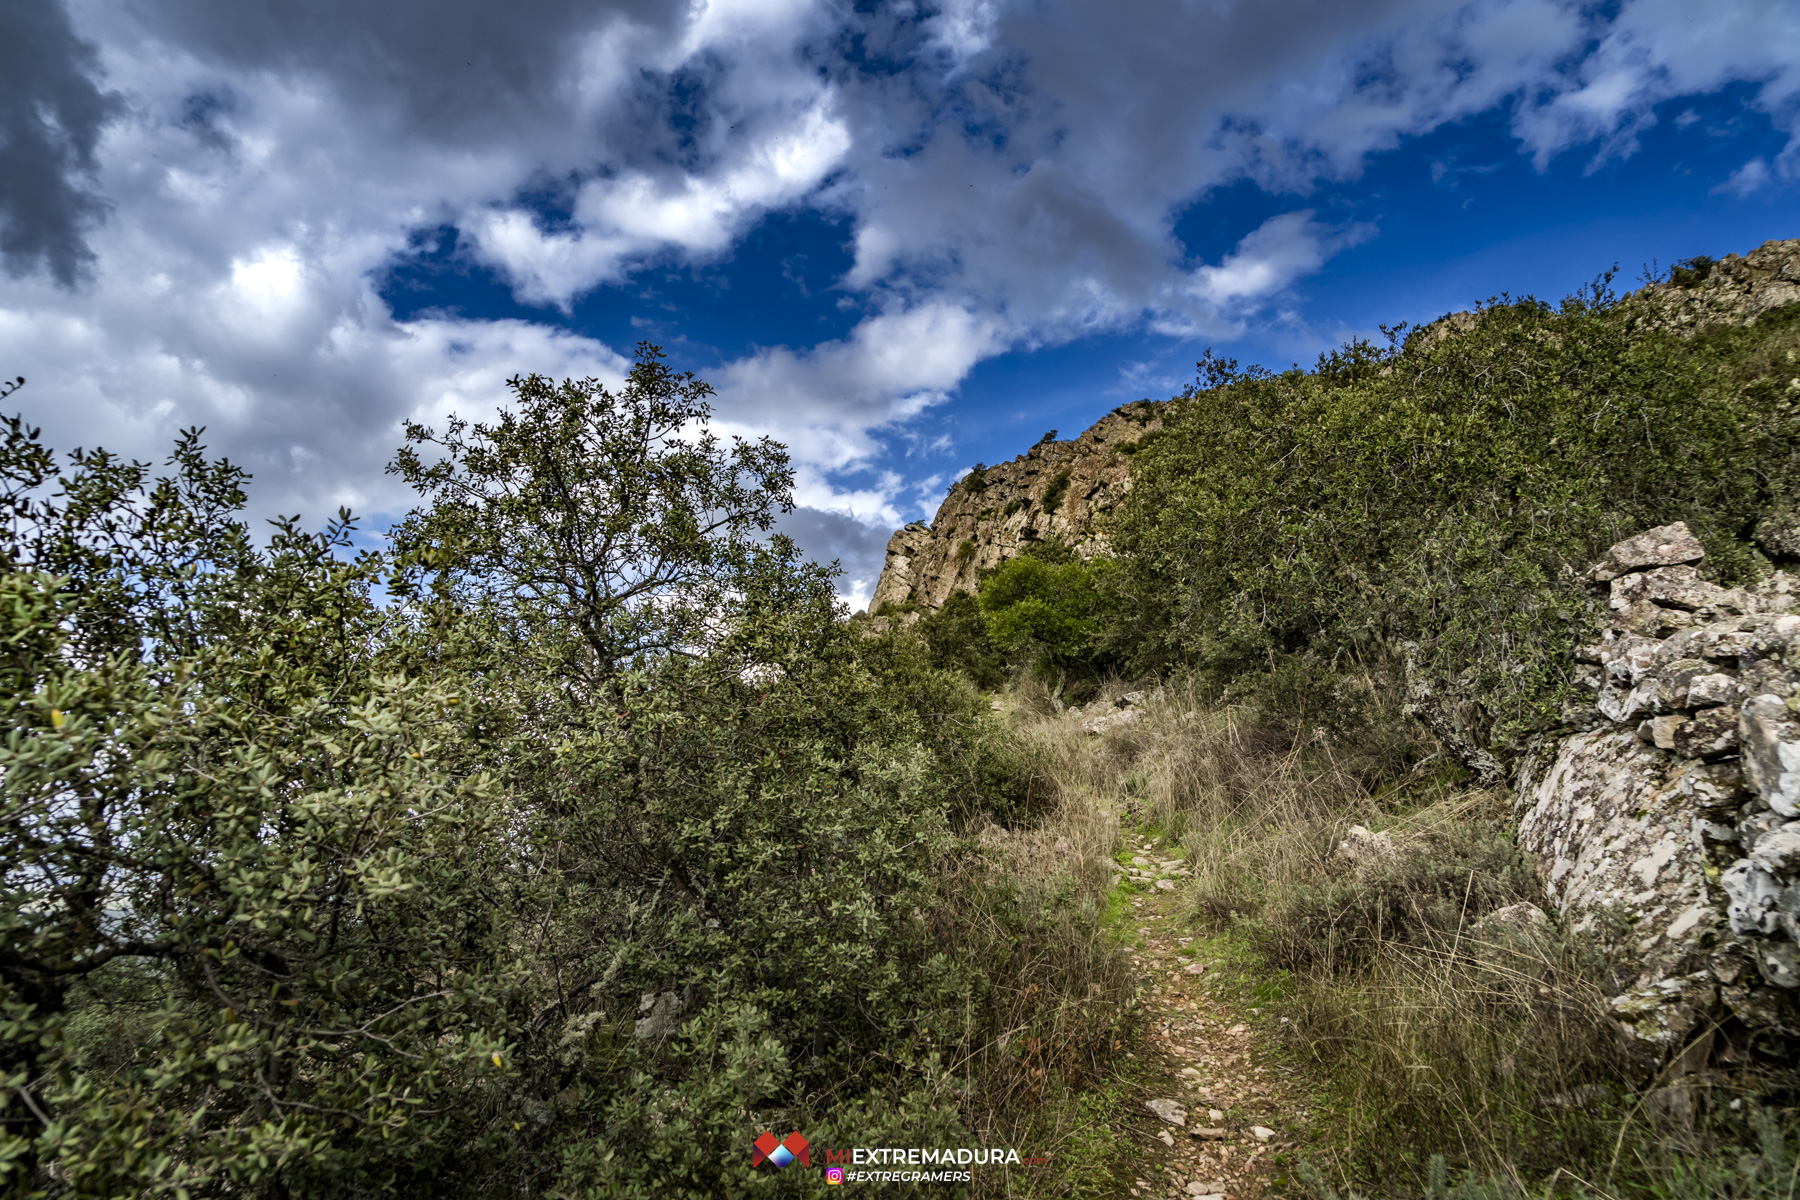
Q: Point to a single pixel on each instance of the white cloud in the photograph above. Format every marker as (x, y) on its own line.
(1272, 257)
(621, 221)
(829, 401)
(1753, 176)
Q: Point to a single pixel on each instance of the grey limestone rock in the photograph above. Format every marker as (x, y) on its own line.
(1664, 546)
(1667, 822)
(662, 1016)
(992, 516)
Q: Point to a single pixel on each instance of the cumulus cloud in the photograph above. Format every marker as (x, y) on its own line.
(619, 222)
(827, 400)
(198, 194)
(1271, 257)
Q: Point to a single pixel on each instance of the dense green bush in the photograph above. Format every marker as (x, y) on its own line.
(1047, 609)
(560, 852)
(957, 635)
(1435, 500)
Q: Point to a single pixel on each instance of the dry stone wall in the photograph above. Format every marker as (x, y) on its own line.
(1056, 491)
(1669, 827)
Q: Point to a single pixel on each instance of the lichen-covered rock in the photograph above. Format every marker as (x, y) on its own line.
(1667, 823)
(1522, 917)
(1116, 719)
(1736, 289)
(1665, 546)
(1367, 850)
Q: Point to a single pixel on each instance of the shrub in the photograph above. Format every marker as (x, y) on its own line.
(1690, 272)
(1434, 502)
(957, 636)
(365, 890)
(1053, 493)
(1047, 609)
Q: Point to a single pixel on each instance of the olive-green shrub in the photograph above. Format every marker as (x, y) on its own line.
(1434, 501)
(561, 851)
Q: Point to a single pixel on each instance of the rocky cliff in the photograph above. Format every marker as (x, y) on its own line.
(1736, 288)
(1056, 491)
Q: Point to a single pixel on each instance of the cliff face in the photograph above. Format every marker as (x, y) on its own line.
(1675, 804)
(1056, 491)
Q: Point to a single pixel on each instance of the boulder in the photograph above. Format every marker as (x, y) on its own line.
(1117, 719)
(1666, 820)
(662, 1016)
(1367, 850)
(1172, 1111)
(1522, 917)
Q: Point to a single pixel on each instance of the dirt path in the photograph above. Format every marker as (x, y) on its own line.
(1210, 1052)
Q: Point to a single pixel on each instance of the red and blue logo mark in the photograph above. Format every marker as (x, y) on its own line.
(767, 1149)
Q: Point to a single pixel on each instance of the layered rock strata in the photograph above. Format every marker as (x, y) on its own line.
(1056, 491)
(1669, 828)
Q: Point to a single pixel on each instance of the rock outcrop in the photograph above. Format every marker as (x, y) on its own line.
(1735, 289)
(1056, 491)
(1669, 828)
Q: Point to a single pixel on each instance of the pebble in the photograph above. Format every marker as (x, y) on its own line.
(1166, 1138)
(1261, 1133)
(1209, 1135)
(1172, 1111)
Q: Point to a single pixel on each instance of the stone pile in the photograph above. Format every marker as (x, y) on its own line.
(1668, 824)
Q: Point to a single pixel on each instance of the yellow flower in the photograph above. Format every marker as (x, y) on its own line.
(57, 720)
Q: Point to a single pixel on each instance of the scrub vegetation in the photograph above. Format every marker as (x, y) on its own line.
(577, 837)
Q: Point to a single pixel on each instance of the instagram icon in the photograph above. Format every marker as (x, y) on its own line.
(834, 1174)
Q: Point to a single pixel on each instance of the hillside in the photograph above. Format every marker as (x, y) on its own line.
(993, 514)
(1437, 707)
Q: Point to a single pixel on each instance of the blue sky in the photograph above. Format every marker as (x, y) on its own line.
(901, 237)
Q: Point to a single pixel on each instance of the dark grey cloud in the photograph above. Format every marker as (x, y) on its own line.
(860, 549)
(455, 70)
(51, 114)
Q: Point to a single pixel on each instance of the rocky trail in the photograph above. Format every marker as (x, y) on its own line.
(1218, 1108)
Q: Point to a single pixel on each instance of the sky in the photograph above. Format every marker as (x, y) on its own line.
(901, 238)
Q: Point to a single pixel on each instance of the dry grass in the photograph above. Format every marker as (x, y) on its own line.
(1429, 1032)
(1031, 905)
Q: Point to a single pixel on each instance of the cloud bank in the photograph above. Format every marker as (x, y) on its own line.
(198, 197)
